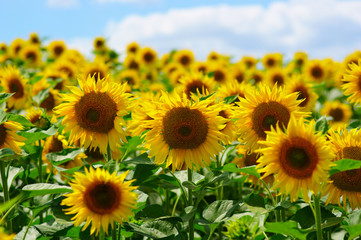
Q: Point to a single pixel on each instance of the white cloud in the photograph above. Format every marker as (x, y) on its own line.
(323, 28)
(83, 45)
(62, 3)
(144, 2)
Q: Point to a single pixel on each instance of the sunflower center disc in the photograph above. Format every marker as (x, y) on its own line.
(102, 198)
(337, 114)
(184, 128)
(185, 60)
(148, 57)
(96, 112)
(219, 76)
(317, 72)
(298, 157)
(58, 50)
(268, 114)
(278, 79)
(348, 180)
(303, 95)
(16, 88)
(48, 103)
(194, 86)
(271, 62)
(2, 135)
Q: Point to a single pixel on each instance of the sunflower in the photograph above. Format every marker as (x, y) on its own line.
(249, 62)
(346, 184)
(213, 56)
(150, 75)
(62, 79)
(99, 69)
(100, 198)
(230, 129)
(38, 118)
(13, 82)
(171, 67)
(220, 73)
(16, 46)
(133, 48)
(255, 76)
(233, 88)
(352, 86)
(93, 113)
(51, 101)
(316, 71)
(176, 75)
(200, 67)
(131, 62)
(3, 49)
(272, 60)
(276, 75)
(300, 59)
(147, 56)
(65, 66)
(262, 109)
(99, 43)
(34, 39)
(239, 72)
(340, 112)
(9, 138)
(184, 131)
(31, 54)
(194, 83)
(184, 57)
(299, 158)
(130, 76)
(306, 94)
(56, 48)
(352, 58)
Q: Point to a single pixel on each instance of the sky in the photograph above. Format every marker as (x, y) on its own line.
(321, 28)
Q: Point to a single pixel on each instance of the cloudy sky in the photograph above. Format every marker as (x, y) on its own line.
(322, 28)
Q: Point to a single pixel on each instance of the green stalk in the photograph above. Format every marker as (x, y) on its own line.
(5, 189)
(318, 219)
(114, 232)
(40, 162)
(190, 203)
(101, 234)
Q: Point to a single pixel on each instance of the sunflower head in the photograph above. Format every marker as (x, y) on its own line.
(56, 48)
(99, 69)
(352, 83)
(299, 158)
(100, 199)
(131, 62)
(195, 83)
(99, 43)
(133, 48)
(94, 113)
(352, 58)
(340, 112)
(276, 76)
(38, 118)
(200, 67)
(65, 66)
(300, 59)
(345, 185)
(220, 73)
(249, 62)
(184, 131)
(262, 109)
(34, 39)
(9, 138)
(272, 60)
(130, 76)
(147, 56)
(316, 71)
(16, 46)
(184, 57)
(31, 54)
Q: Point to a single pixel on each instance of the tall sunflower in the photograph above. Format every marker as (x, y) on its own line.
(93, 113)
(299, 158)
(56, 48)
(147, 56)
(194, 83)
(272, 60)
(316, 71)
(9, 138)
(340, 112)
(100, 199)
(262, 109)
(14, 82)
(345, 185)
(352, 85)
(184, 57)
(276, 75)
(184, 131)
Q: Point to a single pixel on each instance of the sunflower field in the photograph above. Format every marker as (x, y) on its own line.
(138, 146)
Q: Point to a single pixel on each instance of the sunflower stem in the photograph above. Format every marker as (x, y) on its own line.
(40, 162)
(101, 234)
(318, 219)
(114, 232)
(190, 203)
(5, 189)
(109, 153)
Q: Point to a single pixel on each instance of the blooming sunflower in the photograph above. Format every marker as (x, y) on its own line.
(184, 57)
(255, 76)
(38, 118)
(352, 85)
(13, 82)
(263, 108)
(56, 48)
(200, 67)
(194, 83)
(100, 199)
(249, 62)
(31, 54)
(352, 58)
(346, 184)
(16, 46)
(93, 113)
(131, 62)
(298, 84)
(220, 73)
(184, 131)
(272, 60)
(99, 43)
(51, 101)
(99, 69)
(276, 75)
(132, 48)
(147, 56)
(299, 158)
(9, 138)
(34, 39)
(239, 72)
(340, 112)
(130, 76)
(65, 66)
(300, 59)
(316, 71)
(233, 88)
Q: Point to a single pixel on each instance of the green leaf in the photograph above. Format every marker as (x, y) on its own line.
(13, 172)
(232, 167)
(255, 200)
(7, 205)
(353, 230)
(32, 136)
(3, 116)
(141, 159)
(40, 97)
(35, 79)
(344, 165)
(322, 125)
(39, 189)
(20, 119)
(53, 229)
(6, 154)
(219, 211)
(188, 213)
(189, 185)
(230, 99)
(153, 229)
(183, 176)
(289, 228)
(58, 158)
(5, 96)
(215, 176)
(151, 211)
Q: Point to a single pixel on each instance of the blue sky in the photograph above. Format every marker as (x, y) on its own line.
(322, 28)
